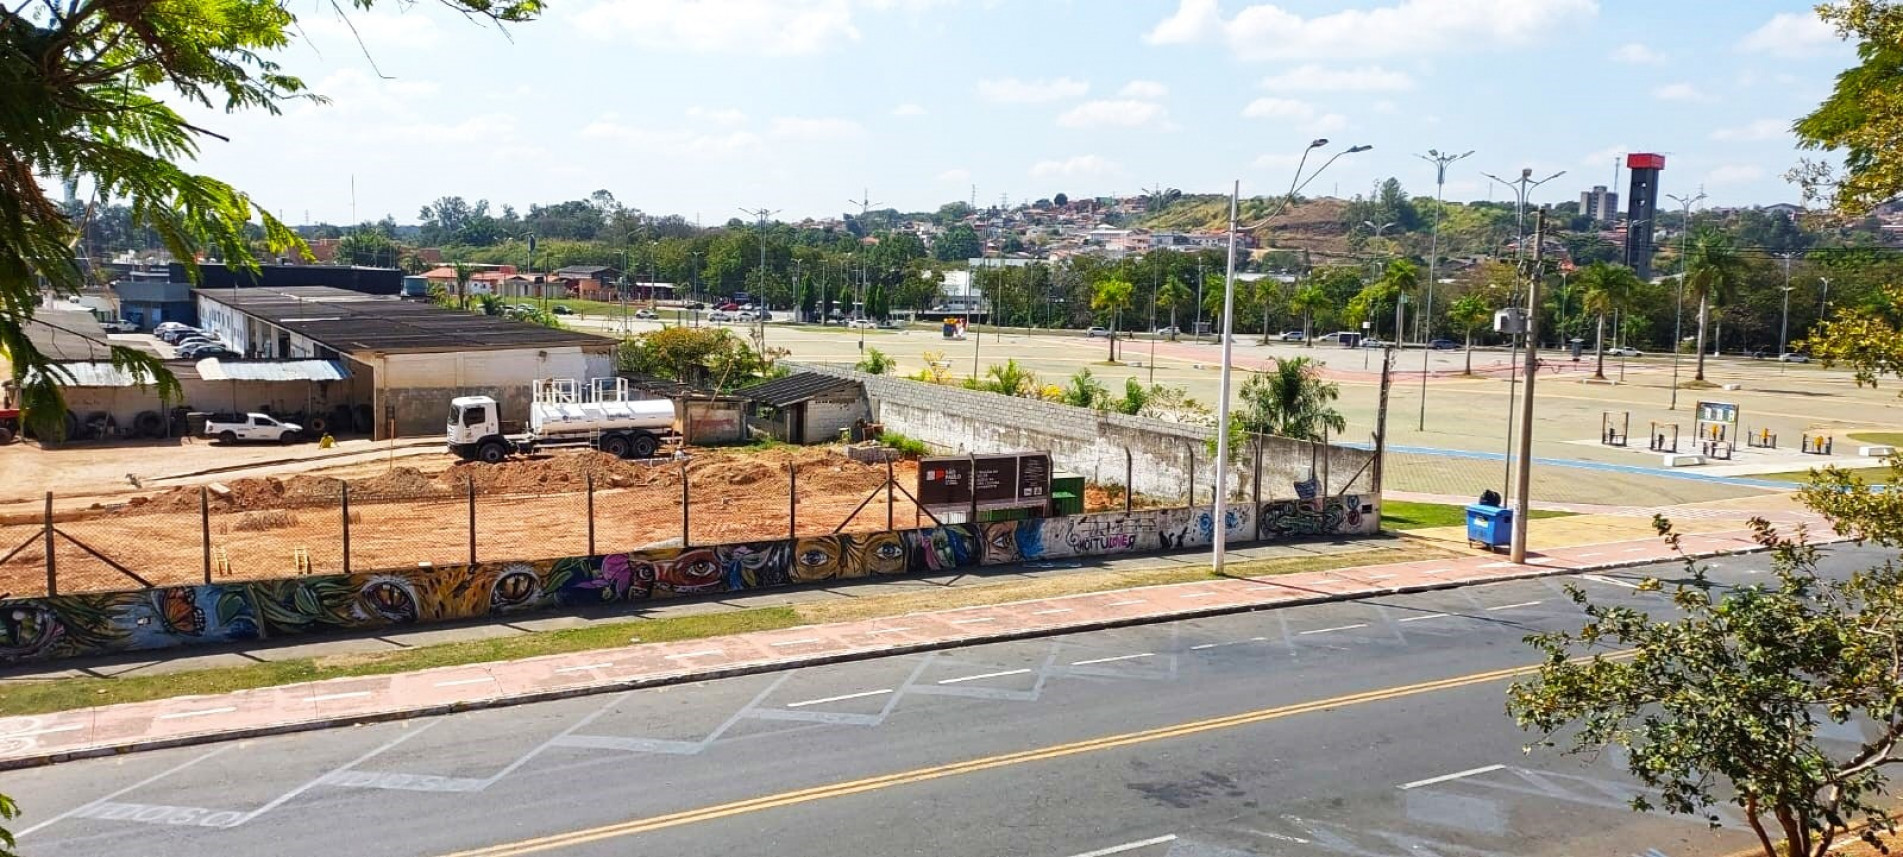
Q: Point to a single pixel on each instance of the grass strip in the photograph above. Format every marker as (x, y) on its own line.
(1404, 515)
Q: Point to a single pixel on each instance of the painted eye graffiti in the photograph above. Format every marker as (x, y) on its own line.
(390, 600)
(889, 551)
(814, 557)
(514, 588)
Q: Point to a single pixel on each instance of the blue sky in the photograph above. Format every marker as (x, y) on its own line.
(702, 107)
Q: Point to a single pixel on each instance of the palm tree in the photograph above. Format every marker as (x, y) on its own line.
(1401, 280)
(463, 273)
(491, 305)
(1290, 400)
(1609, 289)
(1465, 314)
(1172, 295)
(1307, 300)
(1112, 297)
(1713, 270)
(1010, 379)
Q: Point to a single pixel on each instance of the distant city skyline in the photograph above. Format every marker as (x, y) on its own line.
(703, 107)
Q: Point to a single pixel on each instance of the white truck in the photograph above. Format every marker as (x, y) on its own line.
(606, 419)
(231, 428)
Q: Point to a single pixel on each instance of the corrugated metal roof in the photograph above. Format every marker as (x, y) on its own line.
(94, 374)
(795, 388)
(217, 369)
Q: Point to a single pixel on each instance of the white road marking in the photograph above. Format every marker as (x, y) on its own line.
(1453, 776)
(1587, 555)
(1124, 603)
(800, 642)
(1422, 618)
(1230, 643)
(283, 798)
(1336, 628)
(351, 695)
(1498, 565)
(1204, 646)
(1516, 606)
(693, 654)
(1108, 660)
(1050, 611)
(1380, 577)
(982, 676)
(1435, 570)
(199, 713)
(70, 727)
(974, 621)
(138, 785)
(1127, 846)
(891, 631)
(1614, 581)
(840, 698)
(463, 681)
(585, 667)
(1200, 595)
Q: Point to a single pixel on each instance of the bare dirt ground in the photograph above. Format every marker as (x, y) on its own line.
(416, 509)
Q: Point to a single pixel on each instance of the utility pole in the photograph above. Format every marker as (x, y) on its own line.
(1426, 314)
(760, 314)
(1784, 326)
(1523, 483)
(1685, 204)
(1523, 186)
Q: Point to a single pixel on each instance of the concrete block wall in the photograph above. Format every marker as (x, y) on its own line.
(1165, 457)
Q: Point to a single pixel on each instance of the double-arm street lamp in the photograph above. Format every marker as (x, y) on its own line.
(1523, 187)
(1440, 160)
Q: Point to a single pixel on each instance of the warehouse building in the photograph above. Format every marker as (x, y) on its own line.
(404, 359)
(806, 407)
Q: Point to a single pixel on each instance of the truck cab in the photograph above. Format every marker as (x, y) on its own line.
(475, 429)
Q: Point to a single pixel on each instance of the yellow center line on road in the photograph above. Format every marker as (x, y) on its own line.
(972, 766)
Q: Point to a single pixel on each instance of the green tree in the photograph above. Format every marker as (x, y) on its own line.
(1866, 339)
(1713, 271)
(8, 811)
(874, 363)
(1060, 199)
(1083, 390)
(958, 244)
(463, 273)
(1608, 289)
(369, 248)
(1309, 299)
(1111, 298)
(1290, 400)
(1466, 314)
(1723, 703)
(700, 356)
(1863, 116)
(1170, 296)
(1402, 280)
(1009, 379)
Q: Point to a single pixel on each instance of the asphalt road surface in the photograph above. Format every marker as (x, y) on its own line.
(1373, 728)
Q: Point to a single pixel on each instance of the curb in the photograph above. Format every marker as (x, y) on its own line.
(798, 662)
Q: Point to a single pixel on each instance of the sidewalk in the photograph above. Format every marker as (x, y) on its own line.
(44, 739)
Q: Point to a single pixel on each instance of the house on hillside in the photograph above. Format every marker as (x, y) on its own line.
(590, 282)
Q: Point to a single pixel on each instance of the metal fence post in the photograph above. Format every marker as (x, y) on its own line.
(343, 497)
(591, 513)
(470, 483)
(686, 522)
(792, 500)
(1255, 482)
(204, 527)
(889, 491)
(1191, 446)
(1327, 453)
(52, 572)
(1129, 480)
(971, 484)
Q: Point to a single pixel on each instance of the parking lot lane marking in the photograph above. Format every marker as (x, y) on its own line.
(1050, 611)
(1109, 660)
(355, 694)
(198, 713)
(1336, 628)
(463, 681)
(287, 796)
(1516, 606)
(1422, 618)
(1453, 776)
(134, 787)
(585, 668)
(1127, 846)
(974, 621)
(891, 630)
(523, 759)
(980, 676)
(1124, 603)
(1598, 578)
(799, 642)
(1200, 595)
(840, 698)
(701, 653)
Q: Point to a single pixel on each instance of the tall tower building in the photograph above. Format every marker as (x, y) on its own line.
(1641, 210)
(1599, 204)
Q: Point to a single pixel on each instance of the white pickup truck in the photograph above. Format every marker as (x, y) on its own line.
(231, 428)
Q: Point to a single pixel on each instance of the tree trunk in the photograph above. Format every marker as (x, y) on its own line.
(1704, 313)
(1599, 350)
(1265, 324)
(1173, 330)
(1470, 352)
(1308, 335)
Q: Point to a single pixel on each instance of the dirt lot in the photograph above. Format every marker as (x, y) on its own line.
(417, 509)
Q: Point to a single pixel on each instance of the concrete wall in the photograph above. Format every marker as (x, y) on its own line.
(711, 422)
(1164, 457)
(415, 389)
(102, 623)
(278, 397)
(828, 413)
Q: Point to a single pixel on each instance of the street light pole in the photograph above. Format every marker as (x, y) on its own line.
(1685, 204)
(1426, 315)
(1522, 188)
(1523, 485)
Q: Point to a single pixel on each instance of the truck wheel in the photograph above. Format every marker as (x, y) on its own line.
(645, 446)
(6, 435)
(615, 445)
(492, 452)
(227, 437)
(149, 424)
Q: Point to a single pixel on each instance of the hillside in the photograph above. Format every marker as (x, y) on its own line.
(1318, 226)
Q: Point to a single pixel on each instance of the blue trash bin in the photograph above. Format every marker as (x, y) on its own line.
(1491, 526)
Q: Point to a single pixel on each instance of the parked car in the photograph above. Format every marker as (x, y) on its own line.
(1443, 344)
(1292, 336)
(693, 305)
(645, 314)
(231, 428)
(729, 306)
(1169, 331)
(1625, 351)
(720, 316)
(204, 351)
(560, 309)
(1371, 342)
(1336, 336)
(892, 324)
(863, 324)
(1793, 357)
(174, 334)
(119, 326)
(1097, 332)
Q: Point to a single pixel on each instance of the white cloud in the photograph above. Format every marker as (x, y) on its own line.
(1145, 89)
(1762, 129)
(800, 128)
(1386, 107)
(1316, 78)
(1678, 92)
(1266, 31)
(1080, 166)
(1599, 158)
(1636, 53)
(1010, 90)
(908, 110)
(1120, 113)
(379, 29)
(1734, 174)
(1276, 161)
(771, 27)
(955, 176)
(1790, 34)
(1303, 114)
(353, 92)
(717, 116)
(675, 142)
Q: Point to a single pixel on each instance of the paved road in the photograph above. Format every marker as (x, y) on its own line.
(1368, 728)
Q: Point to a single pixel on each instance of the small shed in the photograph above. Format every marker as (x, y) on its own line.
(703, 417)
(806, 407)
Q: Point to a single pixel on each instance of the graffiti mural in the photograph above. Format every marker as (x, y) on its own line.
(73, 625)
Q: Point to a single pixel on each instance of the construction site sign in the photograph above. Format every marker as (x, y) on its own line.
(950, 483)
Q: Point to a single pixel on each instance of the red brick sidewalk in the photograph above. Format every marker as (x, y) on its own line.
(26, 741)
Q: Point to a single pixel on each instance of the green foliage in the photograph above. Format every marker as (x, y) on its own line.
(1863, 116)
(1290, 400)
(958, 244)
(8, 812)
(1135, 397)
(1723, 702)
(1083, 390)
(1868, 340)
(1608, 289)
(875, 363)
(1713, 271)
(1009, 379)
(700, 356)
(1111, 297)
(907, 446)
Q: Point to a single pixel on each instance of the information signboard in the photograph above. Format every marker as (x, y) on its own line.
(984, 481)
